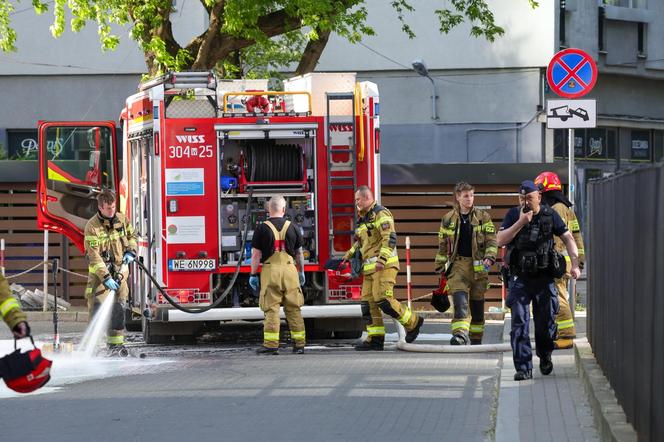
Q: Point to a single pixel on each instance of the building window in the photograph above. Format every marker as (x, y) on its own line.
(640, 145)
(639, 4)
(589, 144)
(640, 39)
(659, 145)
(22, 144)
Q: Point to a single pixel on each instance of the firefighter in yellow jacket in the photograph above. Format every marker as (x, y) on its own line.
(109, 242)
(11, 312)
(376, 242)
(466, 251)
(278, 245)
(553, 196)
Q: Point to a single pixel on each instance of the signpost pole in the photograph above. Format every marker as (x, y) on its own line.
(571, 73)
(571, 286)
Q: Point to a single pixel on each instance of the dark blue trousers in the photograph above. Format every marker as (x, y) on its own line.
(542, 293)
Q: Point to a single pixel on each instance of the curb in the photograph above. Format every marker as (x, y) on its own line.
(72, 316)
(608, 413)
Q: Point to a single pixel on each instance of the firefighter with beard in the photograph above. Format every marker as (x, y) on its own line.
(466, 251)
(109, 242)
(376, 242)
(553, 196)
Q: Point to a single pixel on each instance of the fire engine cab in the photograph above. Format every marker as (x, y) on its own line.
(198, 160)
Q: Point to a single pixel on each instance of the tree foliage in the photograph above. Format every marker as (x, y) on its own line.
(243, 37)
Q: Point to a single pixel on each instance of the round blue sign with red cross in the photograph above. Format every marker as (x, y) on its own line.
(572, 73)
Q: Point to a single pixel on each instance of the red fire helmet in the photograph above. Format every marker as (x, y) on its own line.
(548, 181)
(25, 372)
(338, 271)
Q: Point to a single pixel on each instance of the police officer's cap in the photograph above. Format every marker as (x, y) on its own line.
(528, 186)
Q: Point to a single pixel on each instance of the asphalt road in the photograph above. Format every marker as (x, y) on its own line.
(221, 390)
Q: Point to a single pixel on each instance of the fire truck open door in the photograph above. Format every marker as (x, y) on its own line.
(76, 161)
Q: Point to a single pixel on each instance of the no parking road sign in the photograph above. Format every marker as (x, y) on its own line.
(572, 73)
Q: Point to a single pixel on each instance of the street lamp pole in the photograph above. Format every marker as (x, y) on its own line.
(421, 68)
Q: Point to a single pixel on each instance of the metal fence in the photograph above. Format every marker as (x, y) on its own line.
(626, 292)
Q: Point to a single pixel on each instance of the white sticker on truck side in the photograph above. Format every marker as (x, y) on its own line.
(185, 182)
(185, 229)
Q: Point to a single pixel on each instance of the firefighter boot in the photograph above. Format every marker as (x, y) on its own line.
(117, 350)
(523, 375)
(412, 334)
(546, 364)
(298, 350)
(267, 351)
(375, 344)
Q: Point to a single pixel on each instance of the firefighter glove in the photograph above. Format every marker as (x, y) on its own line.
(21, 330)
(254, 282)
(111, 284)
(302, 279)
(128, 258)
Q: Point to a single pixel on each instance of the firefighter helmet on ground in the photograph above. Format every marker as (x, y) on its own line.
(548, 181)
(25, 372)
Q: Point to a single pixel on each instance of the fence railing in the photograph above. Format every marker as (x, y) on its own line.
(626, 292)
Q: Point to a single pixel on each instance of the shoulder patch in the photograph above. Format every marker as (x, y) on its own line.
(385, 226)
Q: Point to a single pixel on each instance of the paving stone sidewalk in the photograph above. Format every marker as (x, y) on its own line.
(546, 408)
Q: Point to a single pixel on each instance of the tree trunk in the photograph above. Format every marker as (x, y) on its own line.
(312, 53)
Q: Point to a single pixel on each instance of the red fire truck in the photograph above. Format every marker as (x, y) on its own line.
(199, 158)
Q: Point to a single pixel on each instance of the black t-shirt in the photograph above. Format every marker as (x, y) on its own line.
(465, 245)
(512, 216)
(263, 239)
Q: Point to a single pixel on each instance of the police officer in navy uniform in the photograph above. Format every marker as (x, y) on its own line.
(528, 234)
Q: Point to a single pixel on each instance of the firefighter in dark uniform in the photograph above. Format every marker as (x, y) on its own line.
(11, 312)
(376, 245)
(110, 242)
(466, 251)
(278, 245)
(528, 233)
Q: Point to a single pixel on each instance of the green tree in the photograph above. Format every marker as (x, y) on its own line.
(243, 36)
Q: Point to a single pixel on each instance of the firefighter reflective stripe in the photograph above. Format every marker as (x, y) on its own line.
(361, 229)
(116, 340)
(296, 335)
(581, 252)
(568, 323)
(478, 266)
(387, 252)
(443, 232)
(477, 328)
(88, 291)
(271, 336)
(94, 268)
(405, 318)
(93, 241)
(573, 225)
(489, 227)
(376, 331)
(370, 264)
(460, 325)
(492, 251)
(8, 305)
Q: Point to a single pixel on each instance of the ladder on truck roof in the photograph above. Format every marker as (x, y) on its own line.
(202, 83)
(343, 173)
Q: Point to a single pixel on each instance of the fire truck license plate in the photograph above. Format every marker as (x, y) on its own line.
(190, 265)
